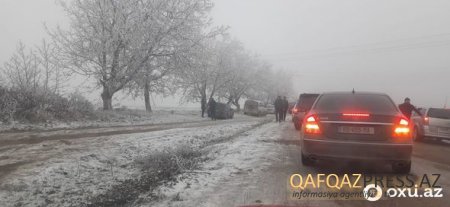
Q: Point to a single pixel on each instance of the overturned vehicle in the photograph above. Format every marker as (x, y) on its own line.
(223, 111)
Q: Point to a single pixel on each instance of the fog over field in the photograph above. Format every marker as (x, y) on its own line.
(398, 47)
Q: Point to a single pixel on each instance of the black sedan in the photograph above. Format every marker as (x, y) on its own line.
(357, 126)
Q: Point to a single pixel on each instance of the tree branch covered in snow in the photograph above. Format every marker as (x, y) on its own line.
(34, 69)
(117, 41)
(222, 68)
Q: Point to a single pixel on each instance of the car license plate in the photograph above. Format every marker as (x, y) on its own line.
(356, 130)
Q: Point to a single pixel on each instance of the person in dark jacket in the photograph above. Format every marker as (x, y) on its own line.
(285, 107)
(212, 108)
(406, 108)
(278, 106)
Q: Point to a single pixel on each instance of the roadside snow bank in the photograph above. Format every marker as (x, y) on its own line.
(112, 118)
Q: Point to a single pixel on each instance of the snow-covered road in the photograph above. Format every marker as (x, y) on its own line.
(254, 169)
(246, 161)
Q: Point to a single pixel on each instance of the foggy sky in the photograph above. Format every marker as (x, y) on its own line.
(399, 47)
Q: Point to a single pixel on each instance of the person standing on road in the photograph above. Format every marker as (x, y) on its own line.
(285, 107)
(406, 108)
(278, 105)
(212, 108)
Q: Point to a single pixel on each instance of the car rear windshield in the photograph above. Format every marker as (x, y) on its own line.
(439, 113)
(306, 101)
(366, 103)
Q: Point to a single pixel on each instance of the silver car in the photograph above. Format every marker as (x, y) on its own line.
(434, 124)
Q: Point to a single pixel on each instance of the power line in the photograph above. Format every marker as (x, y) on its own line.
(328, 54)
(363, 45)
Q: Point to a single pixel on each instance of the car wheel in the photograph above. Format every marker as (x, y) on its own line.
(416, 135)
(402, 168)
(306, 161)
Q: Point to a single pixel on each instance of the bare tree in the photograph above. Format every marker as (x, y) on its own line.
(270, 84)
(222, 68)
(22, 70)
(54, 76)
(188, 20)
(207, 71)
(154, 78)
(113, 40)
(29, 70)
(102, 43)
(243, 76)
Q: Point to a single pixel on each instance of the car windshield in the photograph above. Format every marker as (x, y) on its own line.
(368, 103)
(439, 113)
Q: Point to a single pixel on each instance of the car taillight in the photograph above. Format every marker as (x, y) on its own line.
(402, 129)
(311, 125)
(426, 120)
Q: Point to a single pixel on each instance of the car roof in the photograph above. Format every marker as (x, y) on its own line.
(356, 93)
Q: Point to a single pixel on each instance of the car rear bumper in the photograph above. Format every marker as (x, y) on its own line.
(319, 148)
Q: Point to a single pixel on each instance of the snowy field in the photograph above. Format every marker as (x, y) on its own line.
(116, 118)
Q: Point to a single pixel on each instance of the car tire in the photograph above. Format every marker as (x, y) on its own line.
(402, 169)
(417, 137)
(306, 161)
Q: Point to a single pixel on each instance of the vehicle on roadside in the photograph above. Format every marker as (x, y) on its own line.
(357, 126)
(435, 123)
(267, 108)
(224, 111)
(303, 105)
(256, 108)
